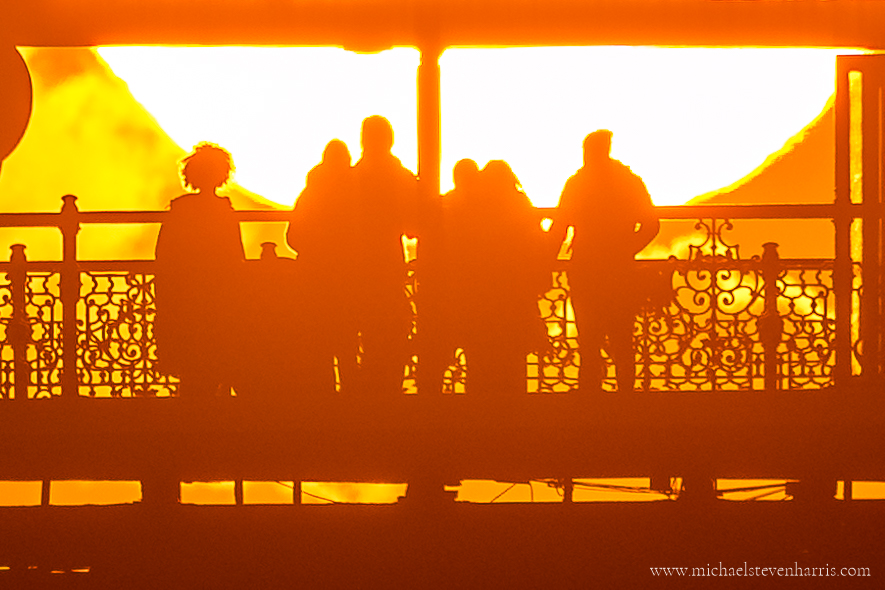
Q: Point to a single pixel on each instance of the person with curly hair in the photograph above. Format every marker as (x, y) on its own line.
(199, 256)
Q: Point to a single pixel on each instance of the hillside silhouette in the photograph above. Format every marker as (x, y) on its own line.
(91, 138)
(802, 171)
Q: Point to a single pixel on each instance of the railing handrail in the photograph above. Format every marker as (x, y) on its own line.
(776, 211)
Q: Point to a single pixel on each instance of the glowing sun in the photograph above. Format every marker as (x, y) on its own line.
(689, 121)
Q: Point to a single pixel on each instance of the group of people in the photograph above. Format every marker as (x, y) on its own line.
(481, 264)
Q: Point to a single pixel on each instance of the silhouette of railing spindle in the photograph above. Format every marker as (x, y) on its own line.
(19, 333)
(771, 325)
(70, 295)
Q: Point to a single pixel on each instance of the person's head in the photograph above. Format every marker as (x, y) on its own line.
(498, 175)
(206, 168)
(597, 146)
(336, 154)
(377, 135)
(465, 173)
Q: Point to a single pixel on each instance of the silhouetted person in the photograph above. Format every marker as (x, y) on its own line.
(324, 230)
(199, 257)
(500, 254)
(388, 203)
(274, 334)
(613, 218)
(439, 309)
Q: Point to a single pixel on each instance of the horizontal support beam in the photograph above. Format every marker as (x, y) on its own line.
(799, 211)
(328, 438)
(372, 25)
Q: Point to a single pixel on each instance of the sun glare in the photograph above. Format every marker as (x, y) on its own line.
(273, 108)
(689, 121)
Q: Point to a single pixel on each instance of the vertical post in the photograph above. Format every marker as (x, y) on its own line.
(872, 215)
(429, 118)
(843, 270)
(428, 84)
(70, 294)
(160, 490)
(45, 492)
(19, 330)
(568, 490)
(771, 325)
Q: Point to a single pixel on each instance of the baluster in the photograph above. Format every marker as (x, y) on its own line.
(19, 328)
(771, 325)
(70, 294)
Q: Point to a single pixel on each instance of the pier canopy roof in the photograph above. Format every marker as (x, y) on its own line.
(371, 25)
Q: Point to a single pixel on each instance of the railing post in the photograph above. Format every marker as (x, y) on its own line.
(70, 294)
(19, 328)
(843, 267)
(771, 325)
(269, 251)
(568, 490)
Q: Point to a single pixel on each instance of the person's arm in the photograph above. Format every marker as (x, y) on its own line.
(293, 230)
(233, 239)
(416, 205)
(647, 220)
(563, 217)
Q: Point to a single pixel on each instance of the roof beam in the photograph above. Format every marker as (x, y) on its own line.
(372, 25)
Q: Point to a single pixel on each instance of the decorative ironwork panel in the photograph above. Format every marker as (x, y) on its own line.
(707, 338)
(455, 375)
(7, 365)
(410, 382)
(705, 334)
(807, 304)
(557, 371)
(43, 310)
(117, 349)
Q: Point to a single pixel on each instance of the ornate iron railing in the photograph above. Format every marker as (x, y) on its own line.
(713, 321)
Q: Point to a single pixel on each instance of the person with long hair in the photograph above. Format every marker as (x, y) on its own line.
(503, 267)
(323, 229)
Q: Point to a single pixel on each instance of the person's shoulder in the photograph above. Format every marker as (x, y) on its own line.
(575, 180)
(579, 174)
(624, 170)
(199, 203)
(182, 202)
(397, 165)
(620, 167)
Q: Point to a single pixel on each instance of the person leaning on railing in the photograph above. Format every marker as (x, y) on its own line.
(199, 257)
(614, 219)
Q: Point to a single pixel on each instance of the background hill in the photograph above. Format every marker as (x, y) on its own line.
(89, 137)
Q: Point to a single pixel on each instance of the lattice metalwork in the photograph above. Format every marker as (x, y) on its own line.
(708, 335)
(44, 316)
(557, 371)
(117, 350)
(455, 375)
(7, 366)
(806, 304)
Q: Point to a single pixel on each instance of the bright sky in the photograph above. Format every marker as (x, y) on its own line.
(689, 121)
